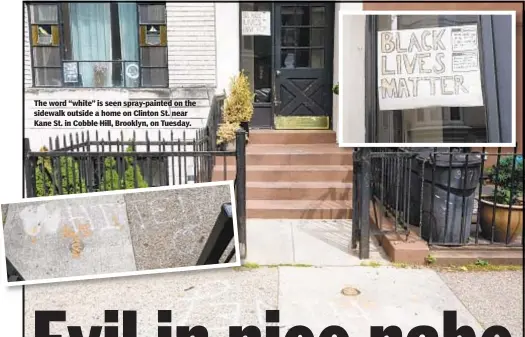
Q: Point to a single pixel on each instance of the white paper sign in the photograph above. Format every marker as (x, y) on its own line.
(428, 67)
(256, 23)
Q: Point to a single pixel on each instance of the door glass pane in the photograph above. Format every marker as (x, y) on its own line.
(256, 55)
(317, 58)
(318, 16)
(295, 16)
(304, 37)
(303, 58)
(427, 53)
(289, 37)
(317, 37)
(288, 59)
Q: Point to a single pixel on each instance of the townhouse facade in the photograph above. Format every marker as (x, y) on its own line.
(291, 53)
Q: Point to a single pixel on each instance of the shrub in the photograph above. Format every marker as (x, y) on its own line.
(226, 132)
(74, 182)
(238, 107)
(68, 174)
(110, 179)
(507, 180)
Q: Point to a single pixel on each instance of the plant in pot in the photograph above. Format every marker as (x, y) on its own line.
(238, 107)
(504, 206)
(226, 136)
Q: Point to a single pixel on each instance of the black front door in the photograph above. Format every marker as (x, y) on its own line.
(303, 65)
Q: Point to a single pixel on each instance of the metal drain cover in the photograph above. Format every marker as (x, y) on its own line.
(349, 291)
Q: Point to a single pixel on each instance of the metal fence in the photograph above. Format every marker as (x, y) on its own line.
(86, 163)
(452, 197)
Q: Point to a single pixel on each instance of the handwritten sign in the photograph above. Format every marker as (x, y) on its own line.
(256, 23)
(420, 68)
(70, 72)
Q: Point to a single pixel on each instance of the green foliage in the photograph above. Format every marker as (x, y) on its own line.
(67, 173)
(110, 179)
(508, 180)
(481, 263)
(430, 259)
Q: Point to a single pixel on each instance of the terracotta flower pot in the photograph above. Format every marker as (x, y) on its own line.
(501, 217)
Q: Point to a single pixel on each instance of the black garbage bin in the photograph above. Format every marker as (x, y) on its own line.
(464, 169)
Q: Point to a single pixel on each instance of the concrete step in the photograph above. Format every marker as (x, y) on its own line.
(278, 173)
(298, 191)
(299, 209)
(292, 137)
(319, 154)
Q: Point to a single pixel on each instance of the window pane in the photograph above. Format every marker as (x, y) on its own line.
(318, 18)
(154, 77)
(89, 32)
(317, 58)
(129, 31)
(48, 76)
(100, 74)
(46, 57)
(44, 13)
(154, 57)
(153, 35)
(152, 13)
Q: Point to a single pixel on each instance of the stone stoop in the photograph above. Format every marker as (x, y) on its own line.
(294, 175)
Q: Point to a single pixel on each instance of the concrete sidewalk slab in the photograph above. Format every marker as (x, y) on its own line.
(495, 298)
(215, 299)
(169, 228)
(314, 242)
(327, 243)
(69, 237)
(269, 241)
(389, 296)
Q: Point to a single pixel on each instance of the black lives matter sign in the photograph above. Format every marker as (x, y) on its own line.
(419, 68)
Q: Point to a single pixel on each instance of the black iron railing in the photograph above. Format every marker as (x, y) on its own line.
(448, 196)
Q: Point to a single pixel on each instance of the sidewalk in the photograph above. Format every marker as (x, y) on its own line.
(310, 296)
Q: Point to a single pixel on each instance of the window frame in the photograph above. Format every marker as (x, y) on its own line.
(62, 52)
(489, 83)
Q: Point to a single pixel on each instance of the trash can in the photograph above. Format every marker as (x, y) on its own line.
(446, 228)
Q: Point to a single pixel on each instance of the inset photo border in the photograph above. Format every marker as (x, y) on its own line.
(427, 79)
(121, 233)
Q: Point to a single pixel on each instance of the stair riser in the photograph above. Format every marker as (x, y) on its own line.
(296, 159)
(261, 193)
(292, 138)
(282, 176)
(299, 214)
